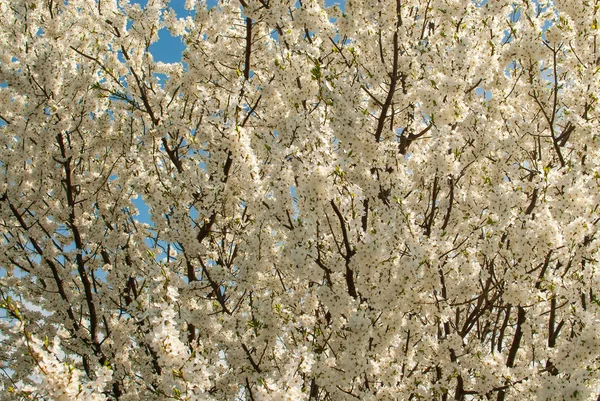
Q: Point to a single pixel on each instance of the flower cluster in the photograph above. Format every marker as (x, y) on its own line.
(385, 200)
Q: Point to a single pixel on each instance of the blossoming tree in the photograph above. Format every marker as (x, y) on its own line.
(389, 200)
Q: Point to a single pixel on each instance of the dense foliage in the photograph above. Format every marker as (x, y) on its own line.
(387, 200)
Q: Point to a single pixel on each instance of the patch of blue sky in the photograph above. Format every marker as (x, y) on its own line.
(293, 193)
(143, 210)
(3, 121)
(194, 213)
(168, 49)
(487, 95)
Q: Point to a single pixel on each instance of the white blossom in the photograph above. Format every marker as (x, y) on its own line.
(381, 200)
